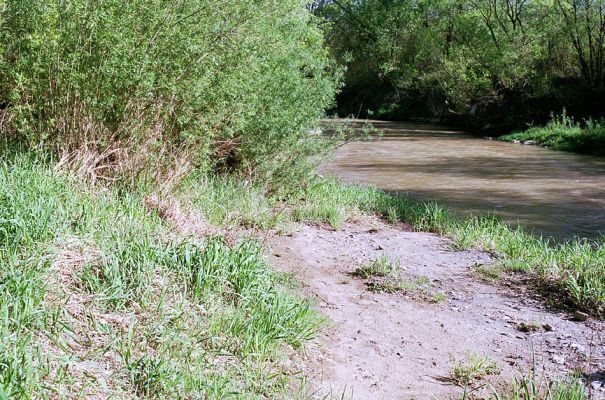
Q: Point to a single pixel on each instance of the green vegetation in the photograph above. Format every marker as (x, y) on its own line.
(99, 298)
(138, 91)
(563, 133)
(77, 260)
(114, 114)
(528, 389)
(438, 297)
(491, 64)
(378, 267)
(531, 326)
(475, 368)
(109, 101)
(491, 272)
(574, 268)
(384, 275)
(533, 389)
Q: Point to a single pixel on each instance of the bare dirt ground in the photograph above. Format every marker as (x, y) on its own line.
(404, 345)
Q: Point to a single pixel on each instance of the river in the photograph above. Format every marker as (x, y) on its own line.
(554, 194)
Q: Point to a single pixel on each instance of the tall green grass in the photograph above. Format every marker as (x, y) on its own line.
(99, 298)
(531, 388)
(563, 133)
(227, 201)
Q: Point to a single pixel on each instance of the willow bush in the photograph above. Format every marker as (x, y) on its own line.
(138, 86)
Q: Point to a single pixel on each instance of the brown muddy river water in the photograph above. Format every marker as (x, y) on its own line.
(555, 194)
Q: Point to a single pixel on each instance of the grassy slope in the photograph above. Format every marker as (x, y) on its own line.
(99, 298)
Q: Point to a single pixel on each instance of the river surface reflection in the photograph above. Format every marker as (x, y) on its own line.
(555, 194)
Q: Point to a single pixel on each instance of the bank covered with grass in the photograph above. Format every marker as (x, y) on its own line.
(576, 268)
(573, 271)
(565, 134)
(100, 298)
(103, 295)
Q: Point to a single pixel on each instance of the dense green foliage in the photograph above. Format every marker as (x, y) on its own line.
(98, 298)
(563, 133)
(501, 61)
(138, 86)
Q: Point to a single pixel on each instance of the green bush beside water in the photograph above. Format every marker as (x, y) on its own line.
(134, 89)
(565, 134)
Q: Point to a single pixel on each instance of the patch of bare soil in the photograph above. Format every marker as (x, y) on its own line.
(405, 344)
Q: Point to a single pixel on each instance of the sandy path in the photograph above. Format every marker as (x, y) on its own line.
(402, 346)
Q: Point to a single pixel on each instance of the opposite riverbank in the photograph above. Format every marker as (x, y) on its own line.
(564, 134)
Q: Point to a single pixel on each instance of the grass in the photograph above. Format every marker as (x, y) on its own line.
(100, 298)
(438, 297)
(474, 368)
(231, 202)
(531, 326)
(530, 388)
(378, 267)
(490, 273)
(563, 133)
(383, 276)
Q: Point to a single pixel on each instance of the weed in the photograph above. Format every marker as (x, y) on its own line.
(392, 215)
(438, 297)
(563, 133)
(390, 286)
(531, 326)
(423, 281)
(380, 267)
(531, 388)
(475, 368)
(345, 280)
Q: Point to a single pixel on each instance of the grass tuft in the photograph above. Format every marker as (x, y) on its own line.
(379, 267)
(475, 368)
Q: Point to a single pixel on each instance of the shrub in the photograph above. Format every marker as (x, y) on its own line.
(136, 87)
